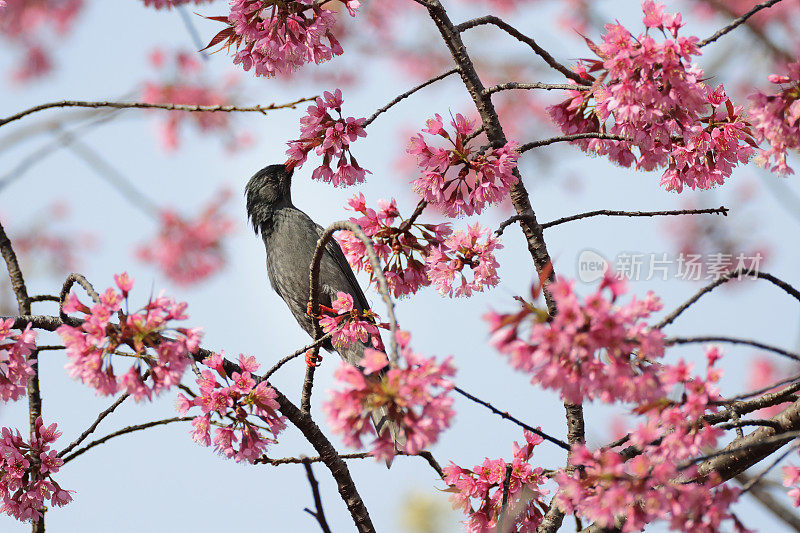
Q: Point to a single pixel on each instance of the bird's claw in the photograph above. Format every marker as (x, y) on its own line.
(312, 360)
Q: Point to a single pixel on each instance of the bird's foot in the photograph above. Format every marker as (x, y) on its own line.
(323, 310)
(312, 360)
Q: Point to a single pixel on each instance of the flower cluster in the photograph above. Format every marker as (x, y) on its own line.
(15, 367)
(459, 180)
(590, 349)
(350, 325)
(228, 405)
(91, 345)
(791, 478)
(169, 4)
(776, 119)
(402, 244)
(26, 24)
(189, 251)
(446, 262)
(181, 82)
(278, 37)
(331, 138)
(26, 470)
(650, 93)
(413, 397)
(653, 485)
(525, 498)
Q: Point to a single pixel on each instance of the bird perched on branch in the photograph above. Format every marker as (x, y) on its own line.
(290, 238)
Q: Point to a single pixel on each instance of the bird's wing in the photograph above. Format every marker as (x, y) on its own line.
(334, 252)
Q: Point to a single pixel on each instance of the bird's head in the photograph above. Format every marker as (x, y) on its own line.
(266, 192)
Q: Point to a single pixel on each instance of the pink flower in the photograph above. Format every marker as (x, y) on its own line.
(693, 131)
(484, 485)
(590, 349)
(349, 325)
(652, 486)
(15, 365)
(244, 412)
(169, 4)
(91, 346)
(27, 468)
(456, 180)
(189, 251)
(279, 38)
(402, 246)
(415, 396)
(776, 119)
(181, 82)
(331, 139)
(445, 263)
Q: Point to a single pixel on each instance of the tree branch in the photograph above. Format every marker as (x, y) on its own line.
(509, 29)
(737, 22)
(168, 107)
(536, 85)
(569, 138)
(738, 273)
(732, 340)
(313, 298)
(319, 514)
(408, 93)
(94, 425)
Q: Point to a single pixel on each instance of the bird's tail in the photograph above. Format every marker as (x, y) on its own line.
(380, 418)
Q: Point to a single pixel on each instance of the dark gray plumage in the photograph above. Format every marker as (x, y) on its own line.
(290, 238)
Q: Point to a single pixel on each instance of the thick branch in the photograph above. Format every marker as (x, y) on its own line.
(144, 105)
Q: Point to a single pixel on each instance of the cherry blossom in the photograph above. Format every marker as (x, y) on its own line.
(159, 362)
(169, 4)
(692, 130)
(415, 396)
(791, 476)
(461, 180)
(273, 37)
(474, 248)
(776, 119)
(181, 82)
(190, 250)
(242, 411)
(15, 367)
(652, 485)
(350, 325)
(401, 244)
(525, 503)
(590, 349)
(331, 138)
(26, 470)
(29, 24)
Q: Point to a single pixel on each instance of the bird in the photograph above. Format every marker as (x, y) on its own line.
(290, 238)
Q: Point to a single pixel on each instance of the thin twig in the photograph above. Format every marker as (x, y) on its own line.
(192, 30)
(722, 210)
(319, 513)
(168, 107)
(569, 138)
(124, 431)
(505, 415)
(504, 504)
(541, 52)
(383, 288)
(414, 216)
(408, 93)
(738, 273)
(536, 85)
(68, 283)
(44, 298)
(732, 340)
(316, 343)
(94, 425)
(781, 511)
(735, 23)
